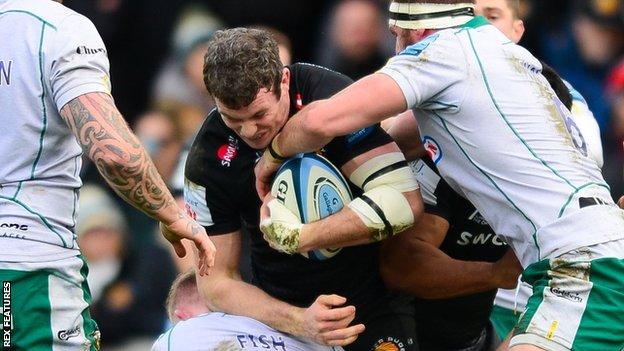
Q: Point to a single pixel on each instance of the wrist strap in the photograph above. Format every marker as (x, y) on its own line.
(274, 152)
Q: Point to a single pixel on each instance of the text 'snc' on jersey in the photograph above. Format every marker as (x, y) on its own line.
(49, 55)
(220, 191)
(502, 139)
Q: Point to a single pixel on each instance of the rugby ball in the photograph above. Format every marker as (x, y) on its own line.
(312, 188)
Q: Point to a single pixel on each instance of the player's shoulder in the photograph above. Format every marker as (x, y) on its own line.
(311, 82)
(51, 13)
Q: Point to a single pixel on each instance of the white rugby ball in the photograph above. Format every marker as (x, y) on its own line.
(312, 188)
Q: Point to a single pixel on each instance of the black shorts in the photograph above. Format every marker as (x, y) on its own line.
(390, 326)
(488, 340)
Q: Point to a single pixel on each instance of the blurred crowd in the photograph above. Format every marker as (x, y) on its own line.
(156, 52)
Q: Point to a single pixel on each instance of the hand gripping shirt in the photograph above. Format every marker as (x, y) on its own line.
(51, 55)
(501, 138)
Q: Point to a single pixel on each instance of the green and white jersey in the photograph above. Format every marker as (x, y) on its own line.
(49, 55)
(516, 299)
(501, 138)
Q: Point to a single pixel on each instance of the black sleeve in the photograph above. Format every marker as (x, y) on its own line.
(437, 195)
(345, 148)
(209, 187)
(319, 83)
(443, 206)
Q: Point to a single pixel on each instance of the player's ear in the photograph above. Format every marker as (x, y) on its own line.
(518, 28)
(181, 314)
(285, 76)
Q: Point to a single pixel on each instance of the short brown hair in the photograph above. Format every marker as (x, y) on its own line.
(183, 287)
(238, 63)
(514, 5)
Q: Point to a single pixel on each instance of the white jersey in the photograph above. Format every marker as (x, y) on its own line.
(48, 56)
(223, 332)
(516, 299)
(501, 138)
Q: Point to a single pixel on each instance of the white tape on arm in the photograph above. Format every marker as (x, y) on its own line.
(384, 210)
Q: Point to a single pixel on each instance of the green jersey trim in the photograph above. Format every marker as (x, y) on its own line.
(576, 191)
(476, 22)
(45, 221)
(534, 235)
(500, 112)
(45, 114)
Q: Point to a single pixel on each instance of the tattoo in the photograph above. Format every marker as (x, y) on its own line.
(106, 138)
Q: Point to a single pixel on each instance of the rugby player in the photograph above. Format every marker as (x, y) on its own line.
(505, 15)
(506, 143)
(56, 104)
(198, 328)
(327, 301)
(453, 224)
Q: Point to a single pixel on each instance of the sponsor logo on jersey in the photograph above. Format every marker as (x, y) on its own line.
(227, 152)
(298, 101)
(22, 227)
(5, 72)
(69, 333)
(568, 295)
(433, 149)
(466, 238)
(269, 342)
(83, 50)
(195, 203)
(389, 344)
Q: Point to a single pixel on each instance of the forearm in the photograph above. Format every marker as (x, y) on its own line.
(364, 103)
(121, 159)
(427, 272)
(342, 229)
(236, 297)
(301, 134)
(347, 228)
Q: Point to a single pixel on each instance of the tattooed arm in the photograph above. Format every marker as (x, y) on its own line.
(106, 138)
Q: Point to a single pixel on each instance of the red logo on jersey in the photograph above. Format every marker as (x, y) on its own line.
(190, 212)
(298, 101)
(228, 152)
(433, 149)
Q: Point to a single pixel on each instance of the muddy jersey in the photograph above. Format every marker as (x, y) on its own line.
(60, 57)
(220, 191)
(455, 323)
(502, 139)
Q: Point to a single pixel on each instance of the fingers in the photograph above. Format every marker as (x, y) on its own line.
(179, 249)
(206, 254)
(331, 300)
(344, 336)
(264, 209)
(339, 314)
(621, 202)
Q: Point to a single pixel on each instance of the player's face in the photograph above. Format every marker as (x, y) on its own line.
(259, 122)
(502, 17)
